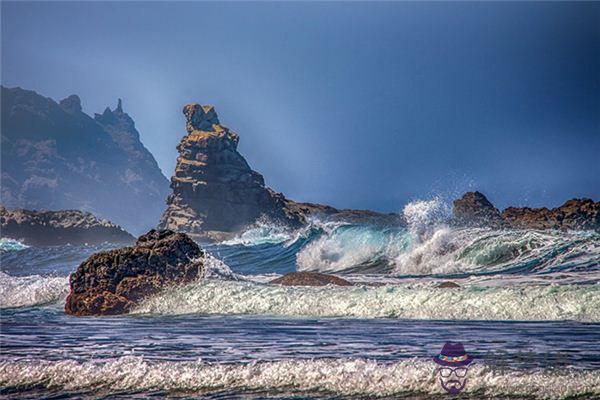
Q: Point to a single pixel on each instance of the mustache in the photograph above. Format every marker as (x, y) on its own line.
(453, 382)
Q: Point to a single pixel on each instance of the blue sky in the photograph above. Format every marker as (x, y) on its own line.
(359, 105)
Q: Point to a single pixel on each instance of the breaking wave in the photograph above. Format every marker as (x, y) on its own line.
(350, 377)
(408, 301)
(7, 245)
(427, 245)
(31, 290)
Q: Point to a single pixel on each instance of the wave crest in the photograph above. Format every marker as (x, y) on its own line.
(347, 377)
(7, 245)
(33, 290)
(409, 301)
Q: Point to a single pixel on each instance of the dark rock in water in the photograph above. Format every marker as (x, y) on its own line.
(474, 209)
(112, 282)
(575, 214)
(448, 285)
(49, 228)
(56, 157)
(310, 279)
(216, 193)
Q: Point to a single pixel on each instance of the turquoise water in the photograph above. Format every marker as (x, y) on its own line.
(528, 310)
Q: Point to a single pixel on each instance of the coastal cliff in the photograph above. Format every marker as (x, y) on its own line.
(56, 157)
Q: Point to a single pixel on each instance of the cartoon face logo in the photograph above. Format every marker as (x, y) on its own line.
(453, 364)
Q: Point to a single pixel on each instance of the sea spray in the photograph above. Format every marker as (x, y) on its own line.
(349, 377)
(409, 301)
(31, 290)
(7, 245)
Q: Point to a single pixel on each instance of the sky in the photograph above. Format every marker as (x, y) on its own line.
(357, 105)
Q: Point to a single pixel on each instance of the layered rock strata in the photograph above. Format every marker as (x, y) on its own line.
(216, 193)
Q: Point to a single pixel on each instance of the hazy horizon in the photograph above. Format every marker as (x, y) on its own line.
(354, 105)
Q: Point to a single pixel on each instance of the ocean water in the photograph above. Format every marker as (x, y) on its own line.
(528, 310)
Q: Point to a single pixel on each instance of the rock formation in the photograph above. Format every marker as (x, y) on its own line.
(474, 209)
(310, 279)
(113, 282)
(56, 157)
(575, 214)
(214, 188)
(49, 228)
(215, 192)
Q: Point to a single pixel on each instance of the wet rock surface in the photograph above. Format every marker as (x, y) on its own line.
(113, 282)
(51, 228)
(310, 279)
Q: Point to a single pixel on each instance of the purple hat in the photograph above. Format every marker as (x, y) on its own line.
(453, 355)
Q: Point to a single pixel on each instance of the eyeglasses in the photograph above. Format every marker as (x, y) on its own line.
(459, 372)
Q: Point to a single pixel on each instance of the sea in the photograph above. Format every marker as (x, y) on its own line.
(527, 310)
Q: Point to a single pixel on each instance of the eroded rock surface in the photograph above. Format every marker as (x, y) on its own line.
(49, 228)
(214, 188)
(575, 214)
(216, 193)
(474, 209)
(113, 282)
(310, 279)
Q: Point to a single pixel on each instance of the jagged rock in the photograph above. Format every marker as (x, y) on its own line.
(575, 214)
(216, 193)
(113, 282)
(214, 188)
(56, 157)
(310, 279)
(48, 228)
(474, 209)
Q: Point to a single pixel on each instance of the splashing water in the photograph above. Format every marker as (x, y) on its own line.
(7, 245)
(409, 301)
(357, 377)
(31, 290)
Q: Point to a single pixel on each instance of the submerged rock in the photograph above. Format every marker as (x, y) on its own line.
(474, 209)
(50, 228)
(112, 282)
(448, 285)
(310, 279)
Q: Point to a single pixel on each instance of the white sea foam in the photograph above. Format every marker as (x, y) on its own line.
(409, 301)
(7, 245)
(344, 246)
(31, 290)
(265, 231)
(354, 377)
